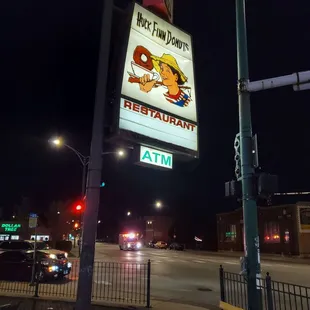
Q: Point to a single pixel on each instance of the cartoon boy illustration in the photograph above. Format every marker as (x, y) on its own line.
(172, 77)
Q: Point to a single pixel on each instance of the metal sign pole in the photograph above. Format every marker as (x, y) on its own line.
(34, 257)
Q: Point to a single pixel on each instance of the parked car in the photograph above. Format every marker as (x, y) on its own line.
(176, 246)
(161, 245)
(151, 244)
(17, 266)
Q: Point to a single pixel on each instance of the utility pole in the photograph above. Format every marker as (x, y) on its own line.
(247, 170)
(85, 281)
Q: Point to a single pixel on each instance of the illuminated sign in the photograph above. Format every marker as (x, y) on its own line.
(158, 88)
(155, 157)
(11, 227)
(162, 7)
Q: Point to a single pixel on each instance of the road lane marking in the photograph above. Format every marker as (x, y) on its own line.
(231, 263)
(212, 261)
(103, 282)
(199, 261)
(266, 265)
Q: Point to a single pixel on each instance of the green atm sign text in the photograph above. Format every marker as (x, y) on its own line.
(155, 157)
(11, 227)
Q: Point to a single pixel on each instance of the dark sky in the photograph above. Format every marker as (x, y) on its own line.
(48, 60)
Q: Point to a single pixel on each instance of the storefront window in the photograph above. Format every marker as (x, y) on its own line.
(231, 234)
(272, 232)
(4, 237)
(40, 237)
(287, 236)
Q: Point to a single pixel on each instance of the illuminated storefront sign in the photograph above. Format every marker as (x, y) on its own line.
(11, 227)
(158, 98)
(155, 157)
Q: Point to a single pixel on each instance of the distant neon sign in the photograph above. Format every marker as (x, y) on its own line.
(11, 227)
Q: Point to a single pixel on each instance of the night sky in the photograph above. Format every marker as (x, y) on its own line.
(48, 59)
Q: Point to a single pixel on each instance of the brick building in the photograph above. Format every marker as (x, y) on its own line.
(283, 229)
(158, 228)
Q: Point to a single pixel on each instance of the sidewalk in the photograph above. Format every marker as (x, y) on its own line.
(23, 303)
(165, 305)
(74, 252)
(264, 256)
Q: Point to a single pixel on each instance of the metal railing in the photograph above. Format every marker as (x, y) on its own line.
(127, 283)
(275, 295)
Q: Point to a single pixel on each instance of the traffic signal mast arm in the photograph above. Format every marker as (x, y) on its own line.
(299, 80)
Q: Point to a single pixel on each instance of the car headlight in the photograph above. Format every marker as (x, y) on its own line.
(53, 256)
(52, 268)
(138, 245)
(66, 254)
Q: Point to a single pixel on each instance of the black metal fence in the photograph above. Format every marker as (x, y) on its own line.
(275, 295)
(127, 283)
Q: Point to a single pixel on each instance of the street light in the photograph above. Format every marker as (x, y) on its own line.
(128, 213)
(99, 222)
(120, 153)
(59, 142)
(158, 204)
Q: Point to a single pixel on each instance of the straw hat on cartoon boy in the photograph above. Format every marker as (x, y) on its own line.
(173, 65)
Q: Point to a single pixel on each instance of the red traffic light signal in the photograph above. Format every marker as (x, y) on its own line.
(78, 206)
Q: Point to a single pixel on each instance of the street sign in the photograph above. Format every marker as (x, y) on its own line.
(33, 220)
(155, 157)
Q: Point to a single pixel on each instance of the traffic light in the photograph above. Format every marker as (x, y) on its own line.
(78, 207)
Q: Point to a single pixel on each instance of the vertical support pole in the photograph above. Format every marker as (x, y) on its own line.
(85, 281)
(148, 285)
(222, 285)
(269, 292)
(38, 269)
(247, 170)
(34, 257)
(85, 163)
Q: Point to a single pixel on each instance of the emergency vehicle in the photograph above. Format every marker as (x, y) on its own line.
(129, 241)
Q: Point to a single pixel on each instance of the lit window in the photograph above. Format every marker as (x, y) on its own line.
(287, 236)
(231, 233)
(272, 232)
(14, 237)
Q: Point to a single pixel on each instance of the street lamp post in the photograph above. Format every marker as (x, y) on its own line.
(83, 159)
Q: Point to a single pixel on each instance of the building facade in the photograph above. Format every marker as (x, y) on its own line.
(19, 230)
(158, 228)
(283, 229)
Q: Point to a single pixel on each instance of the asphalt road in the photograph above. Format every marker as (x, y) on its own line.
(185, 277)
(193, 277)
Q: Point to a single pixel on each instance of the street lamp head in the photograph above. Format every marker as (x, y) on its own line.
(158, 204)
(120, 153)
(56, 141)
(99, 222)
(128, 213)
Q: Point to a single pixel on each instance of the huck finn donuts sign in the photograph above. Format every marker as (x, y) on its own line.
(158, 72)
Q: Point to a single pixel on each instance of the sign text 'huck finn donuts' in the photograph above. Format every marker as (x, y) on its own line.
(158, 76)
